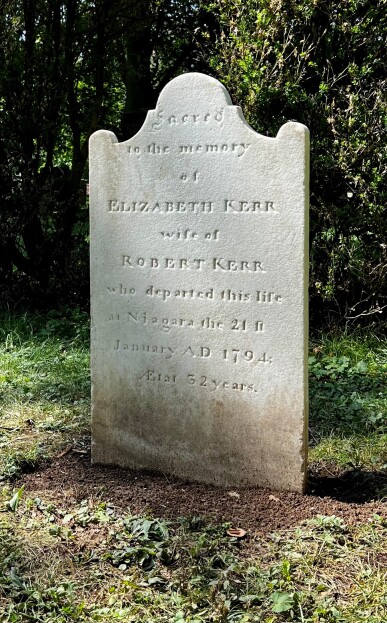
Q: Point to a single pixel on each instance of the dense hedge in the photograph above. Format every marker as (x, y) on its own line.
(70, 67)
(322, 63)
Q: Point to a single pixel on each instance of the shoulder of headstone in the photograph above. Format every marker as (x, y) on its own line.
(102, 137)
(293, 130)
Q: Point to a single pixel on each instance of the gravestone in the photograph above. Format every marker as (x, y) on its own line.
(199, 293)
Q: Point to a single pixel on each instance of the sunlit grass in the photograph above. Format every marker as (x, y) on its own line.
(45, 392)
(44, 387)
(348, 400)
(357, 451)
(91, 562)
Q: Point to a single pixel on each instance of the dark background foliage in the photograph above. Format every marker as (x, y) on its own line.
(69, 67)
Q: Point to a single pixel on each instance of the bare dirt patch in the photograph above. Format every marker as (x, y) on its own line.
(350, 495)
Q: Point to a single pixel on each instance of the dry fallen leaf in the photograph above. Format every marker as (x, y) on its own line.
(66, 451)
(237, 533)
(233, 494)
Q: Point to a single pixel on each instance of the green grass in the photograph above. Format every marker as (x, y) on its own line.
(98, 563)
(348, 401)
(45, 393)
(92, 562)
(44, 387)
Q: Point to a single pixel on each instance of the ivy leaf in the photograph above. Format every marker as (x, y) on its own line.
(282, 602)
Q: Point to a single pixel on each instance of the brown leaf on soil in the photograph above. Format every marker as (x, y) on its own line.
(237, 533)
(64, 452)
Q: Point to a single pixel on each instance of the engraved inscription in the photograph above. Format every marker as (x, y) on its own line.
(236, 355)
(155, 149)
(203, 352)
(158, 149)
(228, 296)
(170, 263)
(239, 149)
(152, 349)
(252, 266)
(231, 206)
(186, 119)
(166, 323)
(197, 380)
(236, 297)
(187, 234)
(121, 290)
(164, 293)
(161, 207)
(198, 288)
(214, 384)
(229, 355)
(268, 297)
(194, 176)
(165, 262)
(157, 376)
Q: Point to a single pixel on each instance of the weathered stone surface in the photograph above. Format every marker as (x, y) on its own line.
(199, 293)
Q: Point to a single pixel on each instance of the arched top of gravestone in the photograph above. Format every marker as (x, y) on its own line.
(200, 88)
(193, 102)
(200, 104)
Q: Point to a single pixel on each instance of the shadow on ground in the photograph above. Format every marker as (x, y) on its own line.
(355, 486)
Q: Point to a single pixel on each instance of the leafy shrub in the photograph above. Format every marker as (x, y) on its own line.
(322, 63)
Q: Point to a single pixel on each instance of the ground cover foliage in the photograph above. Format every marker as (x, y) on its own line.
(93, 562)
(69, 67)
(348, 400)
(90, 560)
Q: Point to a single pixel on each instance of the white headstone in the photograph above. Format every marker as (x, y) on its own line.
(199, 279)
